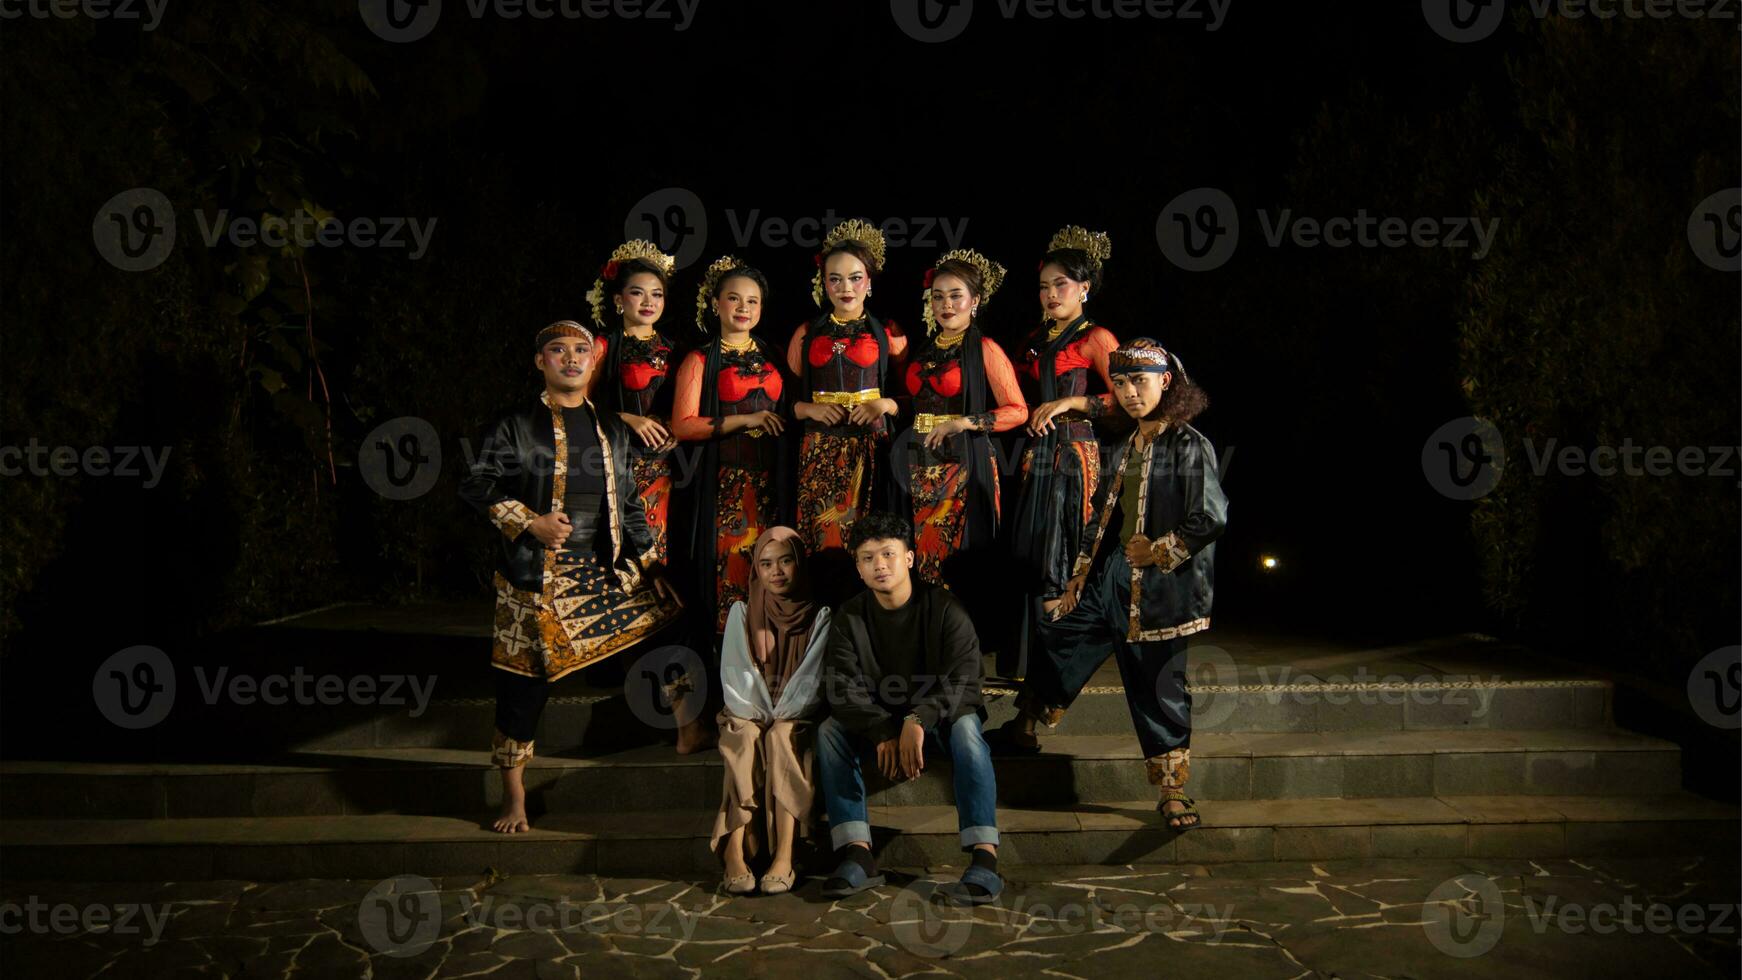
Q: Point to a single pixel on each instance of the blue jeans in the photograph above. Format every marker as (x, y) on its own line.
(839, 753)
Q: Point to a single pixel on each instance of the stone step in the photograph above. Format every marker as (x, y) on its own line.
(1072, 769)
(602, 719)
(666, 842)
(415, 677)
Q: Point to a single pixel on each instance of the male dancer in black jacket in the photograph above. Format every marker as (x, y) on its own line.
(575, 580)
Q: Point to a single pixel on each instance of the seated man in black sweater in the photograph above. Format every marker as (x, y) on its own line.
(903, 662)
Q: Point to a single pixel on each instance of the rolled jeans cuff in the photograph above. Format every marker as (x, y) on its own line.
(853, 830)
(978, 835)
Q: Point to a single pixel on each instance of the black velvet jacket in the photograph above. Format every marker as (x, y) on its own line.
(1181, 510)
(522, 466)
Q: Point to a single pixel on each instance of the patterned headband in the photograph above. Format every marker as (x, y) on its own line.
(562, 328)
(1140, 355)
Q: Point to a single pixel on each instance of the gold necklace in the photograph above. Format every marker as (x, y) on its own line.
(1057, 328)
(749, 342)
(841, 323)
(946, 340)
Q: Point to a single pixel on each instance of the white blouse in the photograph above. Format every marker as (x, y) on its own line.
(746, 693)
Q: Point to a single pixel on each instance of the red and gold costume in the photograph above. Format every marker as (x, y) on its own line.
(632, 378)
(840, 363)
(954, 497)
(745, 498)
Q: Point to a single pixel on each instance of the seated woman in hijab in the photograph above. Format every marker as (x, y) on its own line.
(771, 673)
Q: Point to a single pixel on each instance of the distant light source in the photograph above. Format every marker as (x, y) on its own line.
(1268, 563)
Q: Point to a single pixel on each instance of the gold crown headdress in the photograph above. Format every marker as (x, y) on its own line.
(635, 249)
(1096, 243)
(853, 230)
(711, 280)
(991, 277)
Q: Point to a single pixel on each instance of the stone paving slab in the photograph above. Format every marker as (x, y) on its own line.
(1493, 918)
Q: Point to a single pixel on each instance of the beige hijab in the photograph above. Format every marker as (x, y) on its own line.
(780, 626)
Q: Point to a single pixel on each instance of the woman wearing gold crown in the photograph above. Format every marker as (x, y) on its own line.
(634, 359)
(962, 388)
(731, 402)
(1065, 361)
(845, 362)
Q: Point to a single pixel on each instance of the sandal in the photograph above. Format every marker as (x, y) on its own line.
(958, 894)
(850, 879)
(1180, 820)
(742, 884)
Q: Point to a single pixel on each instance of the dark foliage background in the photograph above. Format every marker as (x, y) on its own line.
(529, 142)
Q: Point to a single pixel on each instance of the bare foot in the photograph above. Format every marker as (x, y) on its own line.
(697, 736)
(513, 818)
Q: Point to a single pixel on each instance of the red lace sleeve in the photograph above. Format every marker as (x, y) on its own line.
(1012, 408)
(897, 346)
(600, 346)
(686, 403)
(795, 357)
(1099, 344)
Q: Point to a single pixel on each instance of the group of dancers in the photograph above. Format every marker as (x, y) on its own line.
(860, 450)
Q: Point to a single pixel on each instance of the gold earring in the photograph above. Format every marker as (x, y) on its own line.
(619, 309)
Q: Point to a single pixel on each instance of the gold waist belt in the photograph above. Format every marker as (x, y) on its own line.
(924, 422)
(848, 398)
